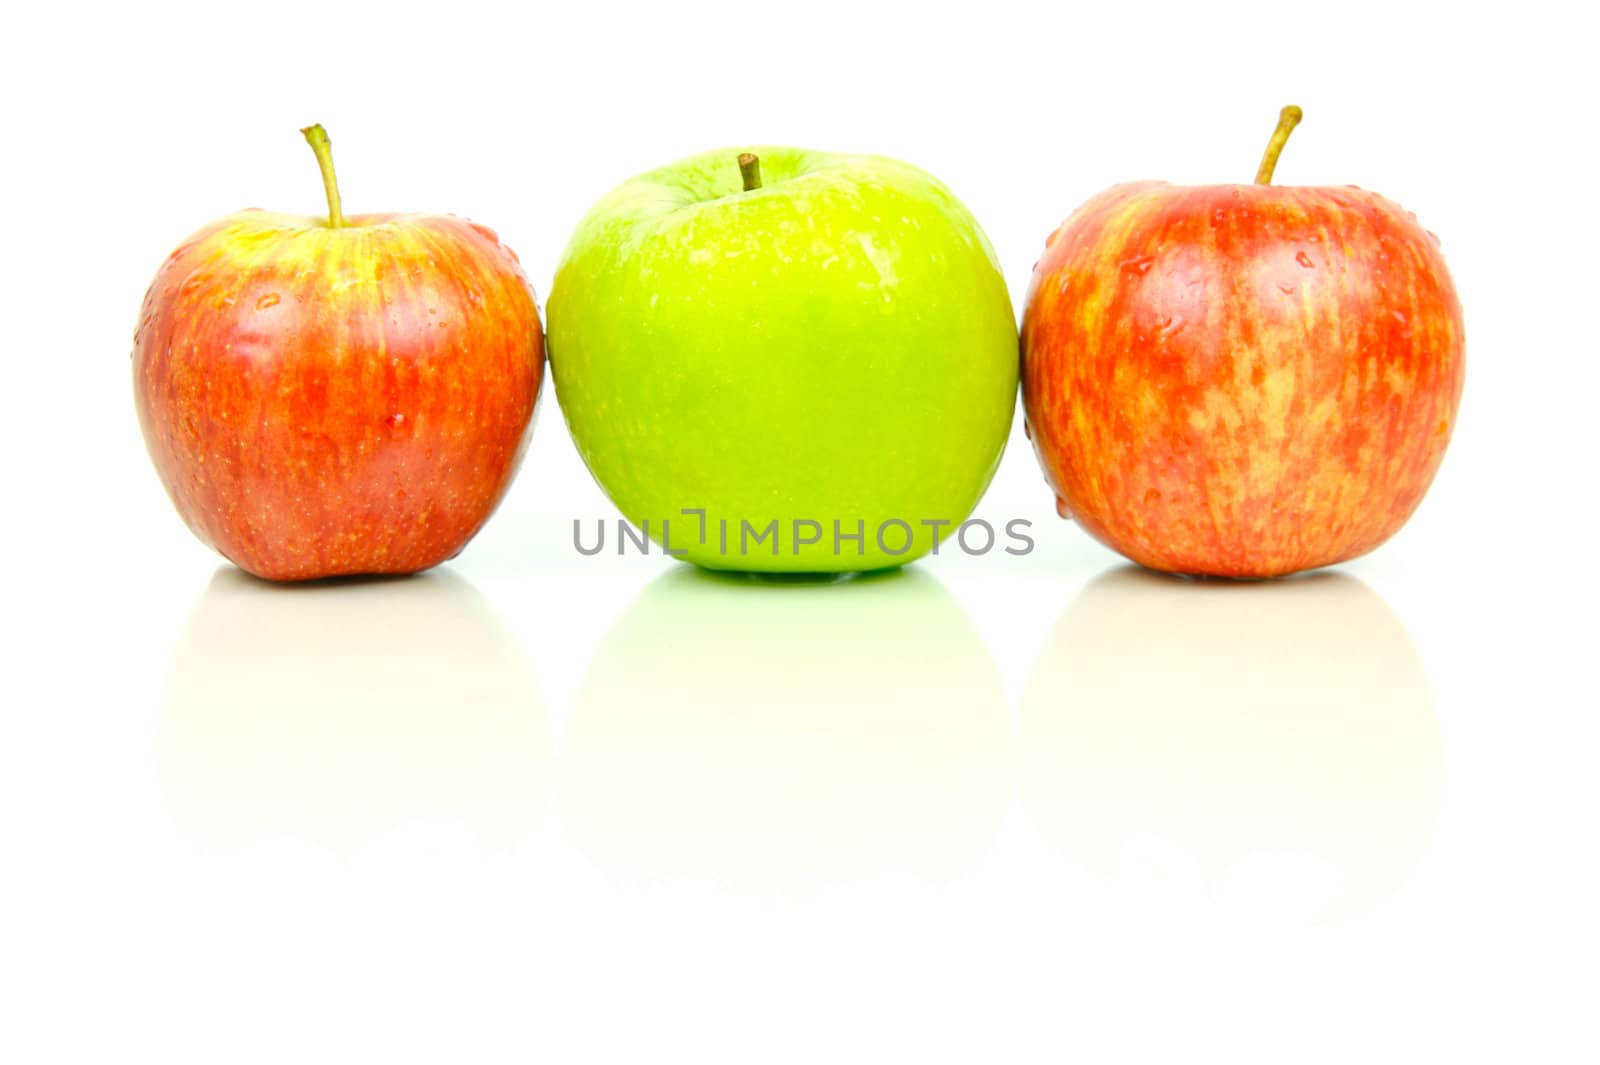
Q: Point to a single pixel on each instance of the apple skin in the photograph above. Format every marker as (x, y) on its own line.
(1240, 380)
(321, 402)
(836, 345)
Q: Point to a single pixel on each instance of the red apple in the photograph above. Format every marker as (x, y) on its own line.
(1241, 380)
(339, 396)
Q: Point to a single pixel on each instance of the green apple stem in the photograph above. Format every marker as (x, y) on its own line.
(1288, 119)
(317, 137)
(750, 171)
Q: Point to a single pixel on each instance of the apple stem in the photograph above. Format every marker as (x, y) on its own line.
(1288, 119)
(750, 171)
(317, 137)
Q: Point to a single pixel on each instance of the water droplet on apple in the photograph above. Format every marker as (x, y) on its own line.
(266, 301)
(1433, 237)
(1398, 316)
(1027, 429)
(1304, 260)
(1286, 288)
(1063, 509)
(1140, 265)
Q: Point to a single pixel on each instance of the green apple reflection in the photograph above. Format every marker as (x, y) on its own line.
(1266, 747)
(781, 735)
(335, 711)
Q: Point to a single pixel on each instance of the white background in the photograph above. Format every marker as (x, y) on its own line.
(537, 806)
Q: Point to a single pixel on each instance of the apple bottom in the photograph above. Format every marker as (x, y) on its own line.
(1229, 502)
(1240, 549)
(367, 507)
(387, 494)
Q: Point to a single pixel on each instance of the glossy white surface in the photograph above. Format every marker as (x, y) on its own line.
(535, 805)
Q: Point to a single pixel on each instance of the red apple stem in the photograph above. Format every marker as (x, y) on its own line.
(317, 137)
(1288, 119)
(750, 171)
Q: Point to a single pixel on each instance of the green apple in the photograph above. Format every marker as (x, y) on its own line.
(806, 347)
